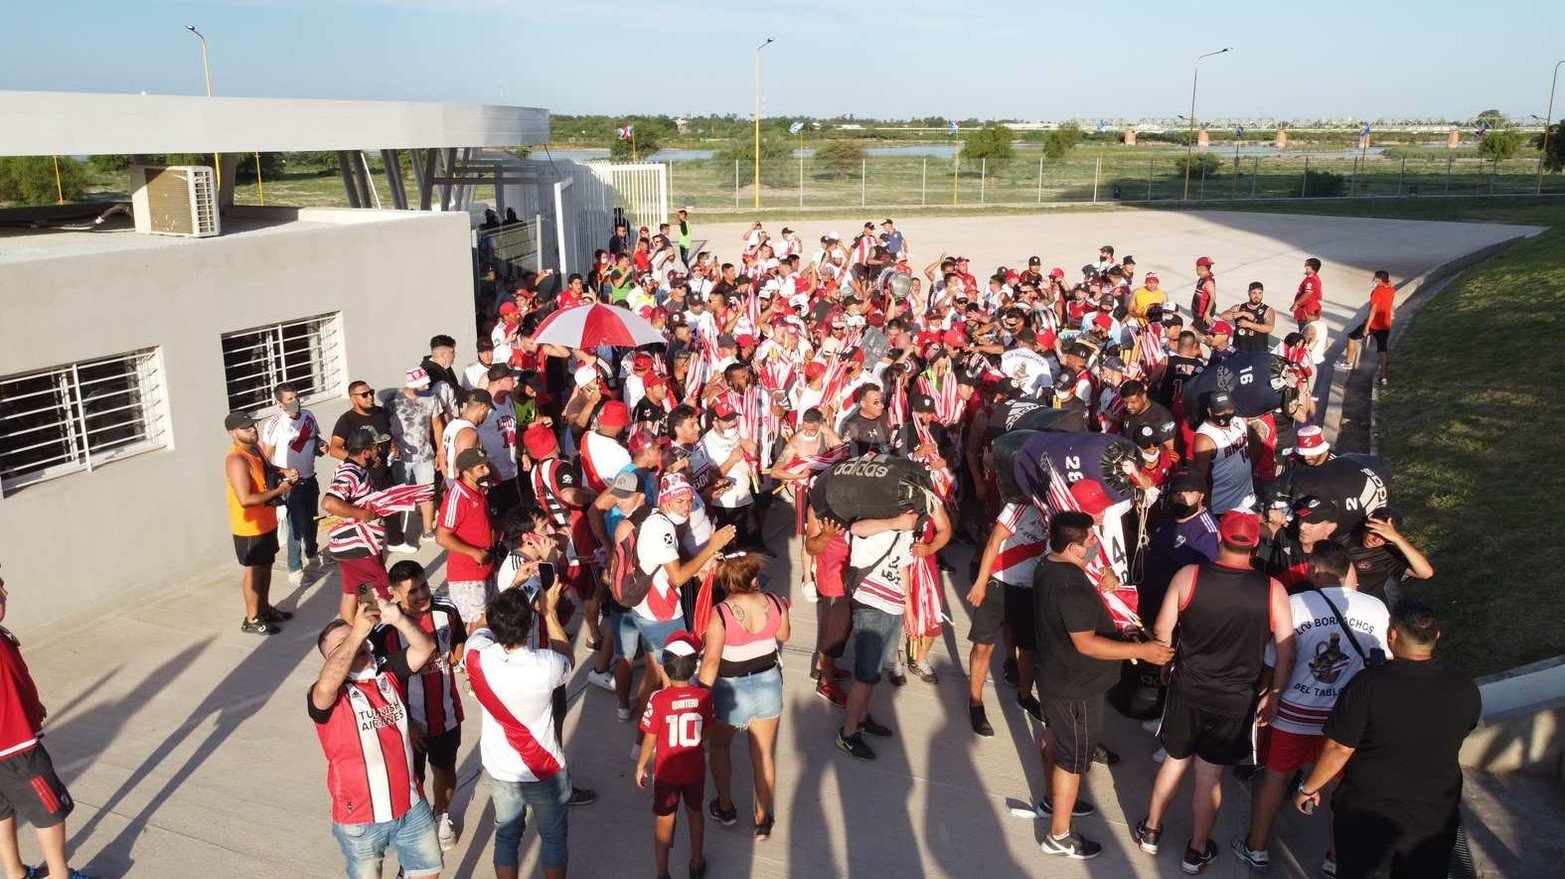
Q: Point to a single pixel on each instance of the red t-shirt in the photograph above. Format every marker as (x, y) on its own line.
(678, 716)
(466, 513)
(21, 714)
(1307, 301)
(1380, 301)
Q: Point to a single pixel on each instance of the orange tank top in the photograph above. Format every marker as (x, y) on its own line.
(249, 521)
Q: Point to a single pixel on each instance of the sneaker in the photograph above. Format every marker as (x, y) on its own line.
(1255, 859)
(1009, 674)
(1104, 757)
(1146, 838)
(899, 675)
(833, 693)
(445, 831)
(622, 715)
(314, 561)
(403, 548)
(1031, 705)
(581, 796)
(1328, 869)
(635, 752)
(979, 720)
(924, 672)
(296, 577)
(258, 626)
(1340, 366)
(868, 725)
(727, 818)
(1072, 845)
(603, 680)
(810, 595)
(42, 872)
(1080, 809)
(855, 746)
(1159, 755)
(274, 615)
(1195, 861)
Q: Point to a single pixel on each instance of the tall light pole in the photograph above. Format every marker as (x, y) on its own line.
(1190, 141)
(1548, 122)
(206, 71)
(769, 41)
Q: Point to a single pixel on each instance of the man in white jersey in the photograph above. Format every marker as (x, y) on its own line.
(1221, 453)
(1002, 597)
(291, 440)
(1328, 654)
(461, 433)
(497, 434)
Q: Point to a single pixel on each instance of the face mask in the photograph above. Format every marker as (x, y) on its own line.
(677, 518)
(727, 432)
(291, 408)
(1180, 509)
(1223, 420)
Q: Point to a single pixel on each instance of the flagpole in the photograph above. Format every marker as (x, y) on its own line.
(956, 160)
(633, 144)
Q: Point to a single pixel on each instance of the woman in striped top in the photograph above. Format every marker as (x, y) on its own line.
(740, 665)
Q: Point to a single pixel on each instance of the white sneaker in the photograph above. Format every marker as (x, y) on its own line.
(622, 715)
(296, 577)
(810, 594)
(445, 831)
(402, 548)
(603, 680)
(1159, 755)
(1341, 366)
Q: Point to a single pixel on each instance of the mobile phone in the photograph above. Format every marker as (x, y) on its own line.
(546, 576)
(366, 595)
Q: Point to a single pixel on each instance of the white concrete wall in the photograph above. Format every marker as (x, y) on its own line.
(84, 543)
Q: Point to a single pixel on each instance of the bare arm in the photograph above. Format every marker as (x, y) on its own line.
(338, 663)
(941, 537)
(681, 572)
(559, 642)
(1168, 614)
(1418, 565)
(446, 539)
(238, 473)
(818, 532)
(1282, 636)
(421, 645)
(975, 595)
(712, 651)
(1096, 646)
(872, 527)
(1334, 756)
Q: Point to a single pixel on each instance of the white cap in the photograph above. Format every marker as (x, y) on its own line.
(585, 375)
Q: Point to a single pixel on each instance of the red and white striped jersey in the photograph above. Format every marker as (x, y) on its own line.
(550, 478)
(432, 697)
(351, 483)
(601, 459)
(515, 688)
(369, 759)
(884, 556)
(1020, 550)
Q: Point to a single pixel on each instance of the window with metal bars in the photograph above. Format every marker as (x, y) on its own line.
(305, 353)
(80, 416)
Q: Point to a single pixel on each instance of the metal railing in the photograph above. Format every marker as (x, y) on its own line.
(306, 353)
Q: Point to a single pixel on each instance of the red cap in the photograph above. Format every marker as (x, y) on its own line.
(655, 380)
(509, 308)
(1204, 261)
(1046, 340)
(814, 370)
(613, 414)
(640, 440)
(1012, 277)
(925, 338)
(650, 313)
(1152, 276)
(748, 340)
(1310, 440)
(955, 338)
(1240, 528)
(875, 319)
(722, 411)
(1056, 272)
(682, 644)
(1090, 496)
(673, 485)
(539, 441)
(1222, 327)
(1103, 321)
(641, 362)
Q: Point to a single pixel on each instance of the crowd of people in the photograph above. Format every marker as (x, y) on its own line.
(623, 508)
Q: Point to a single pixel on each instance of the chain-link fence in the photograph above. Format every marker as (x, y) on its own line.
(1123, 174)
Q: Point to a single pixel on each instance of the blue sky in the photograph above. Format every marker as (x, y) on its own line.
(1027, 60)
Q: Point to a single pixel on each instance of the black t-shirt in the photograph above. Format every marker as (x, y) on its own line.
(1405, 721)
(393, 664)
(1180, 369)
(1156, 418)
(1064, 601)
(1376, 565)
(648, 412)
(866, 433)
(377, 418)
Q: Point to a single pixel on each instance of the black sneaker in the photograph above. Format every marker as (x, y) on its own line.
(731, 816)
(868, 725)
(272, 614)
(1072, 845)
(1195, 861)
(1031, 706)
(1246, 772)
(258, 626)
(854, 746)
(1080, 809)
(898, 678)
(1103, 756)
(1147, 839)
(1008, 674)
(581, 796)
(980, 721)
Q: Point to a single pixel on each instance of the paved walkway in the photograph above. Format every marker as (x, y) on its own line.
(187, 747)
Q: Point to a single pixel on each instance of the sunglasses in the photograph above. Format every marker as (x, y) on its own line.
(368, 393)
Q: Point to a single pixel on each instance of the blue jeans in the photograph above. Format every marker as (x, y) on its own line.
(412, 837)
(301, 504)
(550, 801)
(876, 637)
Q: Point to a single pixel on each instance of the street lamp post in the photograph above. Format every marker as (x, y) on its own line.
(206, 71)
(1548, 122)
(1190, 141)
(769, 41)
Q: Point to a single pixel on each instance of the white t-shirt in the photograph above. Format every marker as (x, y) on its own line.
(657, 544)
(1026, 544)
(718, 449)
(1324, 659)
(293, 441)
(475, 375)
(884, 587)
(515, 688)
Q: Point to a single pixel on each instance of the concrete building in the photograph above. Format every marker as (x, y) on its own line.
(120, 352)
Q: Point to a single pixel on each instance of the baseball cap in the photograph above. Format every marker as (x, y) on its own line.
(416, 378)
(954, 337)
(922, 403)
(1077, 349)
(673, 485)
(584, 375)
(499, 371)
(1034, 261)
(539, 441)
(364, 437)
(642, 439)
(1204, 261)
(1315, 509)
(747, 341)
(655, 380)
(1152, 276)
(509, 308)
(814, 370)
(1103, 321)
(1090, 496)
(486, 344)
(469, 458)
(723, 411)
(677, 319)
(1065, 383)
(1240, 528)
(1222, 328)
(1310, 440)
(1186, 480)
(641, 362)
(625, 484)
(1220, 401)
(682, 644)
(1056, 272)
(237, 421)
(613, 414)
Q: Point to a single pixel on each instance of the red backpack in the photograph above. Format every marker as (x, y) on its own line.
(627, 582)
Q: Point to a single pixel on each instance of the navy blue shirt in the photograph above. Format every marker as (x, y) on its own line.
(1173, 545)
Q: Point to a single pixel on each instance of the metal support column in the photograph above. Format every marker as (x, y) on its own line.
(349, 185)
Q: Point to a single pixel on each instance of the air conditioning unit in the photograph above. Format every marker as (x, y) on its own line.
(176, 200)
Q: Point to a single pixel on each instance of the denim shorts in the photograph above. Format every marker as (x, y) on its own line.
(655, 634)
(549, 801)
(876, 637)
(412, 837)
(737, 701)
(413, 472)
(622, 627)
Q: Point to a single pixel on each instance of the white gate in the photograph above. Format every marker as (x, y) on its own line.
(579, 218)
(640, 190)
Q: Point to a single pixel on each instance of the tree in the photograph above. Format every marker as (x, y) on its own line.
(1495, 118)
(839, 158)
(1062, 140)
(647, 142)
(992, 142)
(1554, 159)
(777, 168)
(31, 180)
(1501, 143)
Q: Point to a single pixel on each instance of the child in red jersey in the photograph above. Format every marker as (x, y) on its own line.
(674, 726)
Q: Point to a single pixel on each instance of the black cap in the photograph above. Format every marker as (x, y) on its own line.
(500, 371)
(1065, 381)
(1146, 437)
(922, 403)
(1186, 480)
(364, 437)
(470, 457)
(486, 344)
(1079, 350)
(1220, 401)
(237, 421)
(1315, 509)
(1034, 261)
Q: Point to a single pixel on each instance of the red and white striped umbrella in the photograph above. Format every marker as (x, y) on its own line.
(588, 326)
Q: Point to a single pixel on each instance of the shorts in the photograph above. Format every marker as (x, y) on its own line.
(412, 837)
(989, 615)
(369, 569)
(1074, 727)
(29, 787)
(1285, 752)
(1382, 337)
(622, 628)
(413, 472)
(1019, 617)
(833, 624)
(439, 751)
(876, 637)
(737, 701)
(654, 633)
(1219, 739)
(258, 551)
(471, 598)
(666, 795)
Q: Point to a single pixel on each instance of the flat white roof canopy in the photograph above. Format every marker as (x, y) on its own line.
(77, 123)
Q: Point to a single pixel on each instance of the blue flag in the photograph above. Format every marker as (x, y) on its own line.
(796, 127)
(1239, 131)
(1365, 132)
(1102, 126)
(954, 127)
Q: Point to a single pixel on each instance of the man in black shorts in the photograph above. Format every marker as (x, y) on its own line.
(1079, 656)
(1001, 597)
(1213, 703)
(252, 520)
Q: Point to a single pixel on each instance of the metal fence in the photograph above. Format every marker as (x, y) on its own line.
(1122, 174)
